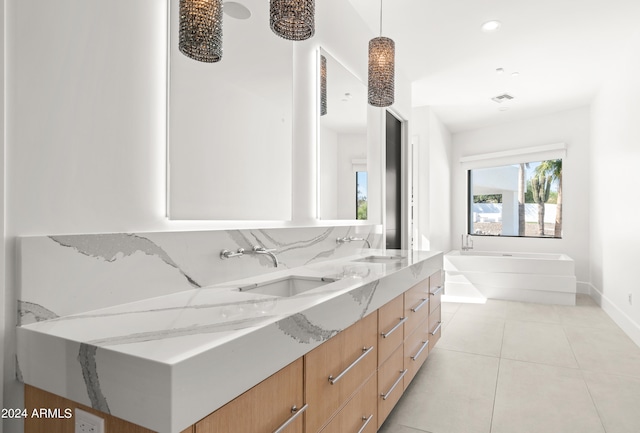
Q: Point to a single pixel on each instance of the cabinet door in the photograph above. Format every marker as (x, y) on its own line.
(264, 408)
(416, 350)
(390, 383)
(336, 369)
(435, 289)
(391, 321)
(435, 327)
(416, 305)
(360, 414)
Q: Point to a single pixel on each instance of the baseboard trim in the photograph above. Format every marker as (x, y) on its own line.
(584, 288)
(631, 328)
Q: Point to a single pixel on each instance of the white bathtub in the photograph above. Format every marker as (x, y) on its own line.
(474, 276)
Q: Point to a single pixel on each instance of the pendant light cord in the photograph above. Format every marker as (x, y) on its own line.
(380, 17)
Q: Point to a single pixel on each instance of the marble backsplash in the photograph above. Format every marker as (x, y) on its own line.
(70, 274)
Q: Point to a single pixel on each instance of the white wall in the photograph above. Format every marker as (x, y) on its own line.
(86, 125)
(2, 210)
(570, 127)
(85, 131)
(328, 181)
(615, 158)
(432, 181)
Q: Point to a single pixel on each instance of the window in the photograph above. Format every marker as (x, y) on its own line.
(361, 195)
(523, 199)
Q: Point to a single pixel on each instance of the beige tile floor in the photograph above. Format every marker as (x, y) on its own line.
(514, 367)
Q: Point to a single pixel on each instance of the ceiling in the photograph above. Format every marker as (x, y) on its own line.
(562, 50)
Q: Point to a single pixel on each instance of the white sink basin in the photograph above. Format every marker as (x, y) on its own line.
(381, 259)
(287, 286)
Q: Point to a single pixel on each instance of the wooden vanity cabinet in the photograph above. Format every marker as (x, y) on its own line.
(335, 370)
(416, 305)
(37, 399)
(416, 350)
(391, 320)
(435, 328)
(436, 288)
(263, 408)
(390, 383)
(435, 315)
(360, 414)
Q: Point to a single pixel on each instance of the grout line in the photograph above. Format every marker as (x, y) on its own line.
(564, 332)
(495, 391)
(468, 353)
(541, 363)
(495, 394)
(594, 402)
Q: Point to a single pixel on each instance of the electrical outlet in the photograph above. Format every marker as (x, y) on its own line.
(630, 298)
(88, 423)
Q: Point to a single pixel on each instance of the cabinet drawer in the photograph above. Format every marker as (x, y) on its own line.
(416, 305)
(390, 327)
(264, 408)
(360, 414)
(416, 350)
(390, 384)
(435, 327)
(435, 289)
(337, 368)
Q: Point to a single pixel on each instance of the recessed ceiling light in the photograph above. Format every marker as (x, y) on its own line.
(500, 71)
(491, 26)
(236, 10)
(515, 74)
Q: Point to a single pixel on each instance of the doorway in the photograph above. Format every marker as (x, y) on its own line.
(393, 196)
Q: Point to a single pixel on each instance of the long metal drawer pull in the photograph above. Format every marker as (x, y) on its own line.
(365, 352)
(420, 305)
(437, 328)
(386, 395)
(438, 290)
(386, 334)
(296, 413)
(424, 346)
(366, 422)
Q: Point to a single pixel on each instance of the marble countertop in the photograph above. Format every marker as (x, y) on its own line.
(166, 362)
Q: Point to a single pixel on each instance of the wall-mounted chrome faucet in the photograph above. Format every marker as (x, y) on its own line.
(270, 252)
(351, 239)
(227, 254)
(468, 245)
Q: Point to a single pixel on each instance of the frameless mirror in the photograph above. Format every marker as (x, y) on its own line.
(342, 143)
(230, 122)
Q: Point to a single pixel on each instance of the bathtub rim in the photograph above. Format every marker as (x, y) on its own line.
(515, 255)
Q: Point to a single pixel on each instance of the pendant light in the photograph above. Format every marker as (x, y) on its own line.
(381, 78)
(292, 19)
(201, 30)
(323, 85)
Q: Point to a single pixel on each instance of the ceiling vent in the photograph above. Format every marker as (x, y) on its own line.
(501, 98)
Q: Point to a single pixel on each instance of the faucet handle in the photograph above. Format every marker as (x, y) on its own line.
(226, 254)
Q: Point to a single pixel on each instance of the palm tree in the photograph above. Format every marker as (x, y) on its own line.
(553, 168)
(541, 187)
(521, 199)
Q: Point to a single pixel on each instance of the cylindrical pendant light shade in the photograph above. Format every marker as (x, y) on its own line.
(201, 30)
(293, 19)
(381, 71)
(323, 85)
